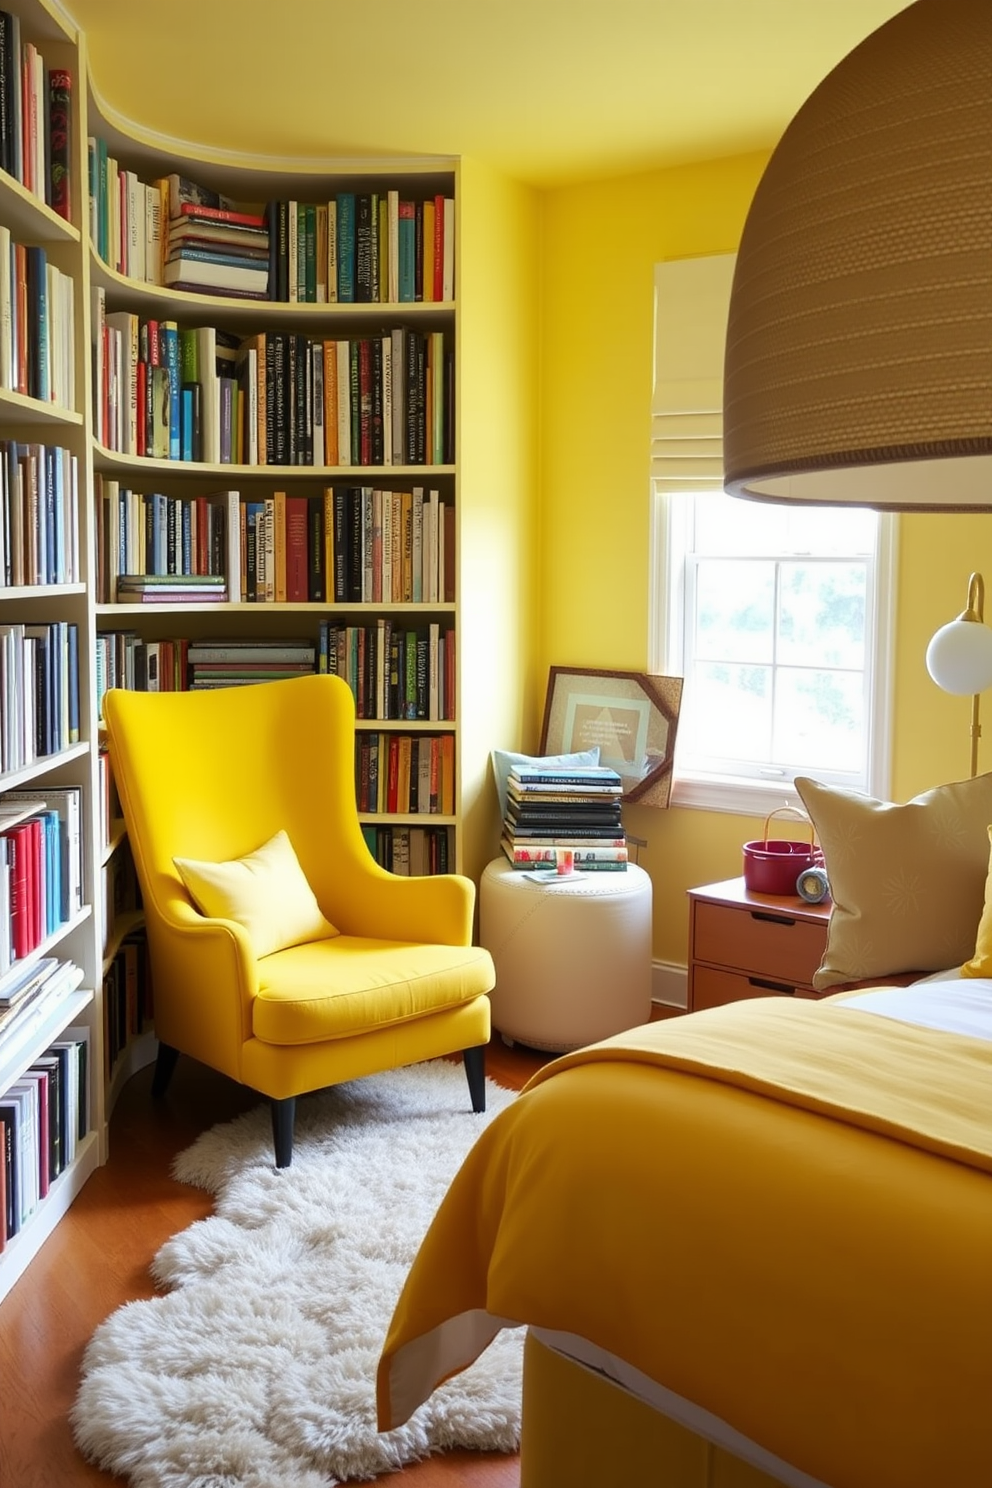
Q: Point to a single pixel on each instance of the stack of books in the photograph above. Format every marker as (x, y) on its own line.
(171, 588)
(231, 662)
(212, 247)
(577, 808)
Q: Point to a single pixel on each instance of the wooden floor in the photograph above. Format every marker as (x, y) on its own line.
(98, 1258)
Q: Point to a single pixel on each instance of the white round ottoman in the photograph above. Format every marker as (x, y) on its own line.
(572, 954)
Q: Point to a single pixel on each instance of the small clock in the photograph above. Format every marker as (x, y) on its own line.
(812, 885)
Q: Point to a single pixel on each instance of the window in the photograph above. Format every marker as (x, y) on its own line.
(776, 616)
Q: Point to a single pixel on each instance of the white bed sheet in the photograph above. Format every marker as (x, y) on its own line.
(949, 1002)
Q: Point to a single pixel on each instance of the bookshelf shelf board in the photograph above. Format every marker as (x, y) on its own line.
(273, 607)
(39, 591)
(111, 461)
(405, 726)
(32, 411)
(38, 768)
(119, 930)
(175, 304)
(21, 1248)
(408, 819)
(25, 214)
(18, 1054)
(118, 832)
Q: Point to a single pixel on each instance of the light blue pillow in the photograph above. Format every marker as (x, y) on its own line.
(505, 759)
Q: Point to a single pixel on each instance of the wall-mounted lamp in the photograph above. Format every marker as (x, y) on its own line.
(858, 361)
(959, 657)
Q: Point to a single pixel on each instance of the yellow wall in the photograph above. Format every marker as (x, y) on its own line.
(601, 242)
(498, 411)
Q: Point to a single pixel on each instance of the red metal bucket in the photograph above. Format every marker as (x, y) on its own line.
(772, 865)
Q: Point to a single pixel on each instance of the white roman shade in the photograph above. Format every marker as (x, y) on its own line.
(692, 300)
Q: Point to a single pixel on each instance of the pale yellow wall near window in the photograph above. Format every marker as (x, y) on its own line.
(601, 242)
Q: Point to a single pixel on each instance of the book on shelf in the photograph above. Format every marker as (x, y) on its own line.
(302, 652)
(19, 1023)
(206, 215)
(67, 802)
(60, 141)
(544, 860)
(183, 194)
(566, 778)
(200, 588)
(197, 274)
(533, 854)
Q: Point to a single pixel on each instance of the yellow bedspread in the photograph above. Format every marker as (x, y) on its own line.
(780, 1211)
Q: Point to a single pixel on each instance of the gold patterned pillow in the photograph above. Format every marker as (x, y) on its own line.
(907, 881)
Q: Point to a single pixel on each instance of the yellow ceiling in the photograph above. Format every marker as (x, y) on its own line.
(547, 91)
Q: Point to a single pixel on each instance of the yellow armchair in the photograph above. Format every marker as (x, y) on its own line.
(214, 775)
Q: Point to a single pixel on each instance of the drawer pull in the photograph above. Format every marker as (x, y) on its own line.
(772, 919)
(772, 986)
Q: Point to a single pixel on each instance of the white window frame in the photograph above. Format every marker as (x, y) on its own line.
(744, 795)
(691, 300)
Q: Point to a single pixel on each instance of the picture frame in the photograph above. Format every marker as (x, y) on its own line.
(632, 716)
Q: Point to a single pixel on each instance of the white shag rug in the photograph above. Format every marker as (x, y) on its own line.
(256, 1369)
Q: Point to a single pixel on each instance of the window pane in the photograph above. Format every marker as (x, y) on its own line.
(822, 616)
(819, 718)
(729, 711)
(735, 611)
(730, 524)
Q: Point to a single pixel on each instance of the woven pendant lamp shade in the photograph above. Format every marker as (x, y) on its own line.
(859, 346)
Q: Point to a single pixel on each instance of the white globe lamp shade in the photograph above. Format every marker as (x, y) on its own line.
(959, 657)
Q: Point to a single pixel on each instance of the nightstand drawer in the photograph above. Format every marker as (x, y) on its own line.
(712, 987)
(767, 942)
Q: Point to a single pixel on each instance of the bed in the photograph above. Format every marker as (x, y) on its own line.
(749, 1246)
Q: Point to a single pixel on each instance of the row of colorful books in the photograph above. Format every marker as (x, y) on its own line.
(368, 246)
(37, 324)
(411, 851)
(394, 671)
(173, 392)
(41, 868)
(405, 774)
(39, 515)
(123, 658)
(39, 691)
(578, 808)
(351, 544)
(35, 118)
(44, 1115)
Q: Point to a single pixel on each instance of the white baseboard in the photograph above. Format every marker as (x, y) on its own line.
(670, 985)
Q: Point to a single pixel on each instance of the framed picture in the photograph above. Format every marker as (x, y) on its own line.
(632, 716)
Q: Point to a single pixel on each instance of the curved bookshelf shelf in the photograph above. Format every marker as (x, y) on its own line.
(113, 461)
(159, 300)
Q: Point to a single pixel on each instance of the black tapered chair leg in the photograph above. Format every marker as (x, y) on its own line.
(165, 1063)
(475, 1069)
(283, 1117)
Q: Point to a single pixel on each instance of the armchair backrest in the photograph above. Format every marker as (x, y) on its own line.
(214, 774)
